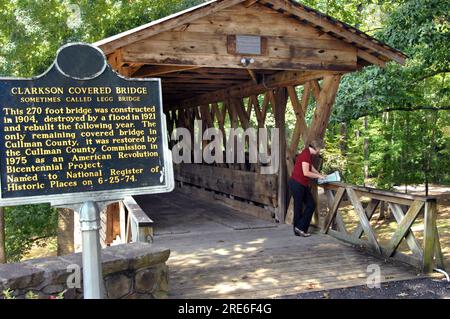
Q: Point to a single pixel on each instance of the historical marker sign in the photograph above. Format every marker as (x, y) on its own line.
(81, 132)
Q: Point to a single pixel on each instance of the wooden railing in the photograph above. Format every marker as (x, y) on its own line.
(405, 209)
(138, 226)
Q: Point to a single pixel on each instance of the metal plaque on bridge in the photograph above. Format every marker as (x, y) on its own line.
(81, 132)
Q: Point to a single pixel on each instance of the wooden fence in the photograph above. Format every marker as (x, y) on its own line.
(405, 209)
(127, 220)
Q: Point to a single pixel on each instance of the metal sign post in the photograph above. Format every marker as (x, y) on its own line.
(92, 271)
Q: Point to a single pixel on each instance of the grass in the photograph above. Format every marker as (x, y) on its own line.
(44, 248)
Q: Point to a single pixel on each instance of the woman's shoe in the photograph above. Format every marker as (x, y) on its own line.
(300, 233)
(303, 234)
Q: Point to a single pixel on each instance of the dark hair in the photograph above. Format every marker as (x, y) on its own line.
(316, 144)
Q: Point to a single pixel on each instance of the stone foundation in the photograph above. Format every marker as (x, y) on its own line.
(131, 271)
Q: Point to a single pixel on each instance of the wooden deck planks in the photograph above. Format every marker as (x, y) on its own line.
(212, 257)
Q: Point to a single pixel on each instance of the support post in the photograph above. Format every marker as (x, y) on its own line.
(429, 236)
(324, 104)
(280, 120)
(92, 271)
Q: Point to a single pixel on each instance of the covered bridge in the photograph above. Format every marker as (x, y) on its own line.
(199, 55)
(225, 61)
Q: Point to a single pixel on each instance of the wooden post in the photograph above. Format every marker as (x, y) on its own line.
(324, 104)
(429, 236)
(280, 118)
(112, 224)
(2, 237)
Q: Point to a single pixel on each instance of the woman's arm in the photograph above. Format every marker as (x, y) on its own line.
(314, 170)
(308, 173)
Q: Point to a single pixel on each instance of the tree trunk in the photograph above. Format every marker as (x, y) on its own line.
(2, 237)
(366, 151)
(343, 139)
(65, 236)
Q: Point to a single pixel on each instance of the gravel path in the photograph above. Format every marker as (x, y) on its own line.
(423, 288)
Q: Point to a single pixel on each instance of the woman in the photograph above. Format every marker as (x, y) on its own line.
(300, 189)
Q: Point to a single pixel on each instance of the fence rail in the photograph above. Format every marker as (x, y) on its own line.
(424, 257)
(138, 227)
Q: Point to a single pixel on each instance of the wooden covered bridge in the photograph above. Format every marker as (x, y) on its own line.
(225, 62)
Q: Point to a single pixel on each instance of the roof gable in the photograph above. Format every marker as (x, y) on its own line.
(369, 50)
(211, 41)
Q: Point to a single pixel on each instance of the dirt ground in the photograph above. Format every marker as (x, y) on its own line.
(423, 288)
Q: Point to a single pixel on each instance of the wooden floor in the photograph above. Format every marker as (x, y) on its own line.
(217, 252)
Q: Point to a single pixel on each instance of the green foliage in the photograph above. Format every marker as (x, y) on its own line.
(8, 294)
(27, 226)
(420, 28)
(31, 31)
(31, 295)
(412, 145)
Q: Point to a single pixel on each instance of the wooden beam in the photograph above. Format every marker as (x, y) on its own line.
(339, 222)
(316, 89)
(248, 111)
(249, 3)
(370, 210)
(333, 209)
(129, 71)
(280, 121)
(404, 227)
(383, 195)
(411, 240)
(206, 116)
(371, 58)
(279, 79)
(143, 223)
(429, 237)
(143, 32)
(323, 108)
(301, 129)
(243, 116)
(155, 70)
(265, 106)
(249, 185)
(363, 219)
(253, 75)
(327, 26)
(258, 114)
(240, 206)
(301, 61)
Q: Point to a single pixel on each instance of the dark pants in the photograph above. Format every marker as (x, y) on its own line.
(303, 200)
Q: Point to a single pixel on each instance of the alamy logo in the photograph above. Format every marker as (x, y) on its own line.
(74, 279)
(374, 277)
(232, 145)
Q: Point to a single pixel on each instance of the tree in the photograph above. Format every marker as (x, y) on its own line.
(400, 101)
(32, 31)
(26, 226)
